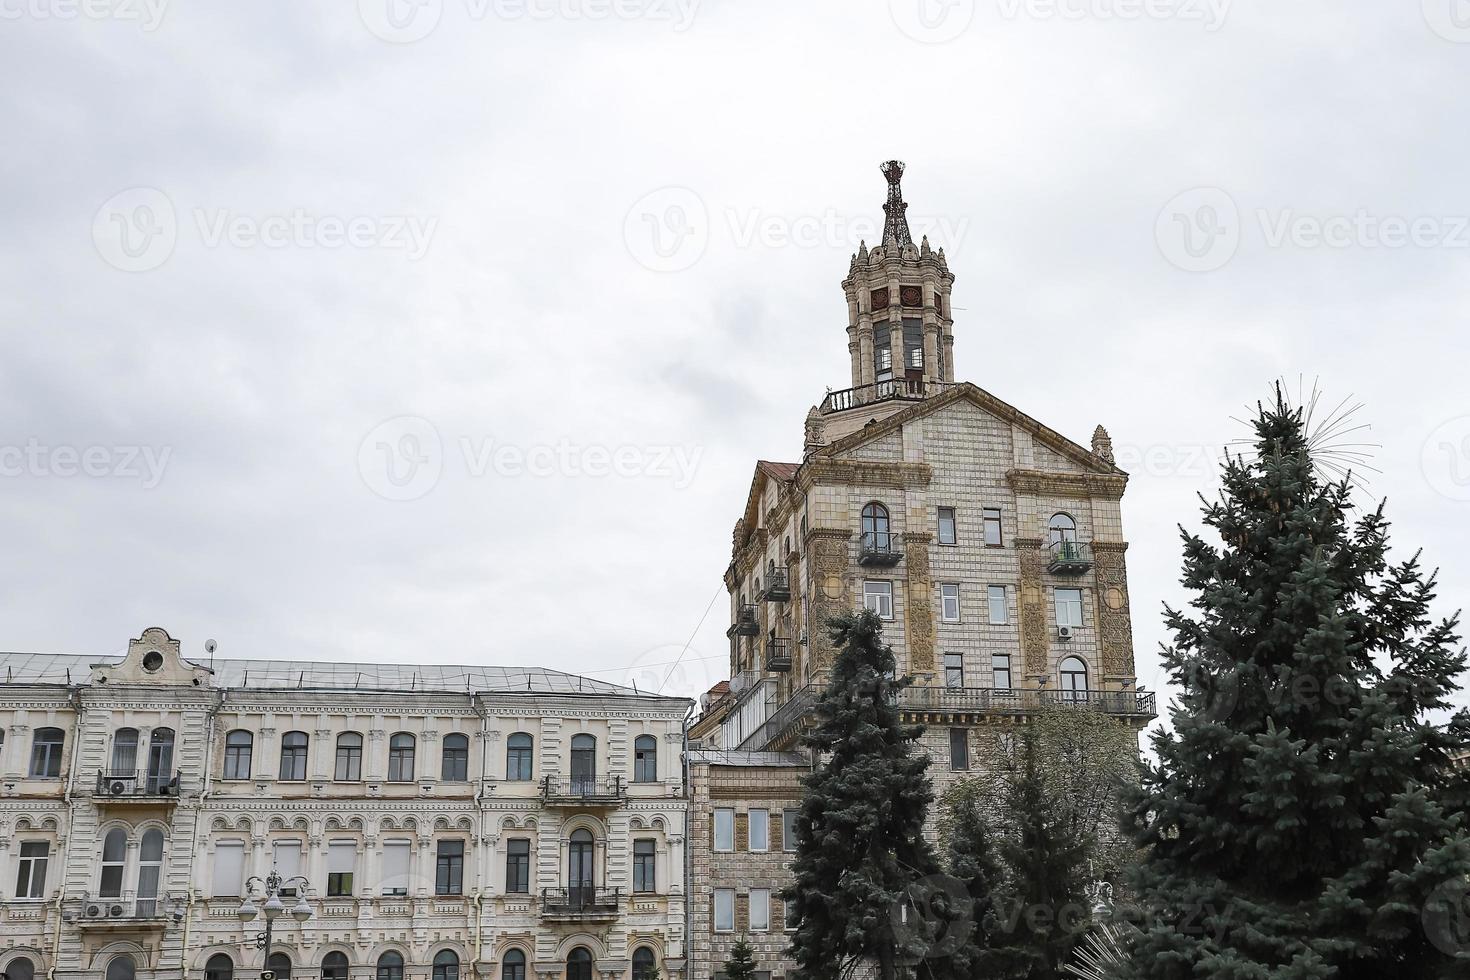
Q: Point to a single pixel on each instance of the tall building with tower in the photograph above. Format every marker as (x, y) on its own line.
(991, 545)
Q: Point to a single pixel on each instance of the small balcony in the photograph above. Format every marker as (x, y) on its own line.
(1138, 705)
(778, 587)
(745, 624)
(1069, 558)
(896, 389)
(584, 791)
(122, 912)
(879, 548)
(778, 655)
(581, 903)
(128, 786)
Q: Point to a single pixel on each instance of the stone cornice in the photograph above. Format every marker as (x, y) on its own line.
(1042, 483)
(821, 470)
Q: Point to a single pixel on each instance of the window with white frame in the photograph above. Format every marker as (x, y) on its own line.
(114, 861)
(229, 867)
(1069, 607)
(760, 909)
(760, 830)
(396, 854)
(1000, 671)
(954, 670)
(992, 526)
(947, 526)
(724, 829)
(724, 910)
(341, 862)
(30, 878)
(949, 602)
(878, 597)
(996, 598)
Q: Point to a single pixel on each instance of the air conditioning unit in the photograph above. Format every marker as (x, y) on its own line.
(118, 787)
(1064, 632)
(94, 911)
(115, 911)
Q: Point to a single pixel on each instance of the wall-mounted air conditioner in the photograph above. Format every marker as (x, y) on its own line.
(1064, 632)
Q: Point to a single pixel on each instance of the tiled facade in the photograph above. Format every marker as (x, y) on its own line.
(407, 809)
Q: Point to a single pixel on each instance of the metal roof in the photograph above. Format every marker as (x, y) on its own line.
(64, 668)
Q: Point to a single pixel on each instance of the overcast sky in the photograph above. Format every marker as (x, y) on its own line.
(451, 331)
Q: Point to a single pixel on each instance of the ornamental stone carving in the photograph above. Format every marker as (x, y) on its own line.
(829, 571)
(1114, 623)
(1032, 603)
(919, 621)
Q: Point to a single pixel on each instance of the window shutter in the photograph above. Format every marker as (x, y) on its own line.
(229, 863)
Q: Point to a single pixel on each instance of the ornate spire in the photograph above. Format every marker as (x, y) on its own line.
(895, 225)
(1102, 444)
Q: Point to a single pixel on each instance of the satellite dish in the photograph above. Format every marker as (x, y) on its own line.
(209, 646)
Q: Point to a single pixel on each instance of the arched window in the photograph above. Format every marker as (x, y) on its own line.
(334, 966)
(513, 965)
(122, 968)
(125, 752)
(21, 968)
(518, 756)
(160, 759)
(238, 746)
(1062, 529)
(446, 965)
(584, 764)
(645, 759)
(219, 967)
(114, 856)
(150, 872)
(349, 757)
(390, 966)
(280, 963)
(579, 964)
(645, 964)
(400, 758)
(46, 747)
(455, 766)
(1074, 679)
(875, 528)
(580, 884)
(293, 755)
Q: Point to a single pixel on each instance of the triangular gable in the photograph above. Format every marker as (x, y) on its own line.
(765, 472)
(984, 400)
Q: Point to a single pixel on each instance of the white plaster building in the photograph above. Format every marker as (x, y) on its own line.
(451, 822)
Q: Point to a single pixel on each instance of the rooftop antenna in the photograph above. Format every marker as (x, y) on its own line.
(301, 679)
(209, 647)
(357, 682)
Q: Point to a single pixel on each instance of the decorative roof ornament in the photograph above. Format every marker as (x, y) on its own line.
(895, 224)
(1102, 444)
(816, 432)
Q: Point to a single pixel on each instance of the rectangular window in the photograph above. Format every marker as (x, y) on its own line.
(293, 756)
(724, 910)
(992, 525)
(396, 855)
(954, 670)
(878, 596)
(287, 857)
(237, 755)
(788, 829)
(1000, 671)
(1069, 607)
(46, 746)
(341, 860)
(724, 830)
(30, 881)
(644, 865)
(959, 750)
(449, 868)
(949, 602)
(760, 830)
(349, 757)
(229, 866)
(760, 909)
(996, 595)
(946, 526)
(518, 866)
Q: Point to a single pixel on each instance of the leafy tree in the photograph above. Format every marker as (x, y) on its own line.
(969, 939)
(741, 964)
(860, 843)
(1303, 816)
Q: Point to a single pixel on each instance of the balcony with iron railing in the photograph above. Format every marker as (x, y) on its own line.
(897, 389)
(124, 911)
(581, 903)
(584, 791)
(778, 655)
(780, 722)
(879, 548)
(132, 786)
(1069, 558)
(1001, 701)
(778, 587)
(745, 623)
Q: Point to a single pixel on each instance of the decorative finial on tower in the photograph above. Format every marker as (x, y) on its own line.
(816, 432)
(1102, 444)
(895, 224)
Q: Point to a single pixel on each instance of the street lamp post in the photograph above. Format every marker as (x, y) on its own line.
(271, 885)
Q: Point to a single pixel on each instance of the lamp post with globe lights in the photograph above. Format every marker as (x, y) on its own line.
(272, 907)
